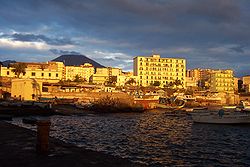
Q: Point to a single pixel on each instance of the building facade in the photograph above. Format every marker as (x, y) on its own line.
(222, 81)
(50, 71)
(152, 69)
(106, 75)
(84, 71)
(26, 89)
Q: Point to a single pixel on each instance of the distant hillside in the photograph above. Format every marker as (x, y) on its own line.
(76, 60)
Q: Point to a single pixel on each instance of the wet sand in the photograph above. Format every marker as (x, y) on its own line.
(17, 148)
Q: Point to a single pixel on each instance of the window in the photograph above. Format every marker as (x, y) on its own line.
(33, 74)
(8, 73)
(49, 74)
(56, 75)
(42, 74)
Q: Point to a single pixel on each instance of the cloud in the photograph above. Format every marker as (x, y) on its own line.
(27, 37)
(208, 33)
(8, 43)
(238, 49)
(64, 52)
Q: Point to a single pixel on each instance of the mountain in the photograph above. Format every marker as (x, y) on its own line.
(7, 62)
(76, 60)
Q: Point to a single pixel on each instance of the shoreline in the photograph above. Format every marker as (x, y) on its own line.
(18, 149)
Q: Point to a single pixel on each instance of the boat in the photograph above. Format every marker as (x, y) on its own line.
(243, 106)
(221, 117)
(229, 107)
(170, 103)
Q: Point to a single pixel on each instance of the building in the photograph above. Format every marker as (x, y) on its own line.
(26, 89)
(246, 83)
(84, 71)
(152, 69)
(236, 85)
(201, 76)
(222, 81)
(124, 79)
(191, 82)
(106, 75)
(49, 71)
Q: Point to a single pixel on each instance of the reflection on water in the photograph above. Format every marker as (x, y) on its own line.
(157, 139)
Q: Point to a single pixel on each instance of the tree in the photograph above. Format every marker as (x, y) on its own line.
(43, 66)
(78, 78)
(178, 83)
(112, 80)
(131, 81)
(169, 85)
(156, 83)
(19, 68)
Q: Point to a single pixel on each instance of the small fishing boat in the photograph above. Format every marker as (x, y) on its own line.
(221, 117)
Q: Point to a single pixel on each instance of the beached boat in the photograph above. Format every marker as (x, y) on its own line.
(221, 117)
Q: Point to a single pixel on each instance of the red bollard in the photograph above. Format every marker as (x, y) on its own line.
(42, 145)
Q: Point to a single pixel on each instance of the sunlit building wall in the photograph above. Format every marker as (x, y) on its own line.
(222, 81)
(84, 72)
(51, 71)
(150, 69)
(103, 75)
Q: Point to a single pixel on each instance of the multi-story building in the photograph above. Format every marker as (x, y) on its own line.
(151, 69)
(246, 83)
(201, 76)
(84, 71)
(104, 75)
(222, 81)
(50, 71)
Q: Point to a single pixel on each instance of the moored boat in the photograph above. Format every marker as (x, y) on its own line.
(221, 117)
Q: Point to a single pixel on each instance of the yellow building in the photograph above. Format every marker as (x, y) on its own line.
(246, 83)
(154, 68)
(222, 81)
(84, 71)
(124, 78)
(191, 82)
(49, 71)
(103, 75)
(26, 89)
(200, 74)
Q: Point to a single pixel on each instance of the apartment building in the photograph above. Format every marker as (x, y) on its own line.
(84, 71)
(104, 75)
(50, 71)
(222, 81)
(150, 69)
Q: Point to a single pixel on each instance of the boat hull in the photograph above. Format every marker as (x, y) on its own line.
(228, 118)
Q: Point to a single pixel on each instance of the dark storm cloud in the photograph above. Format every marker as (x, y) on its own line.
(38, 38)
(63, 52)
(216, 30)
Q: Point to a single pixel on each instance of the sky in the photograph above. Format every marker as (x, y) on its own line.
(207, 33)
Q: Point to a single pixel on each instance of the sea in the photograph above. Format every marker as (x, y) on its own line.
(156, 138)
